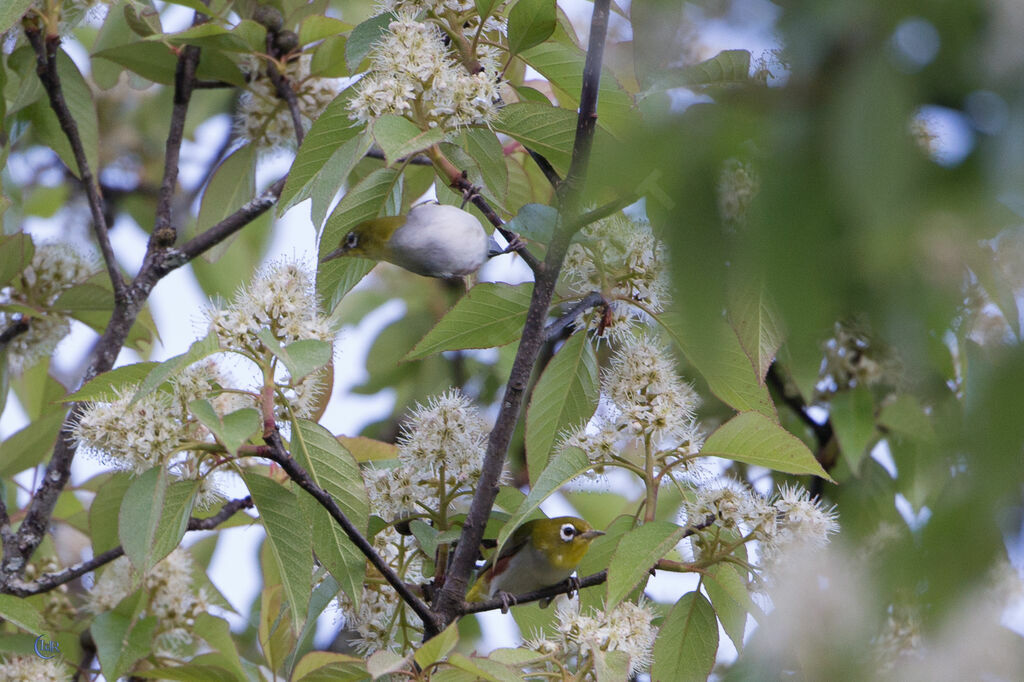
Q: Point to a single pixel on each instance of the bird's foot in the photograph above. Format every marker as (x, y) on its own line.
(508, 600)
(574, 586)
(468, 193)
(515, 244)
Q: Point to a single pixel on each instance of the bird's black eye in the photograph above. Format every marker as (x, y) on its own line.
(568, 532)
(351, 239)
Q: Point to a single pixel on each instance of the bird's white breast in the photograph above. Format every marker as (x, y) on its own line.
(439, 240)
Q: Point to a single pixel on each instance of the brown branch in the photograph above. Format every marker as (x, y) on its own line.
(83, 671)
(278, 454)
(164, 234)
(449, 603)
(284, 88)
(13, 331)
(46, 68)
(49, 581)
(376, 152)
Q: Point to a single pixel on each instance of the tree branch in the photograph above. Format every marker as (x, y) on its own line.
(46, 69)
(594, 298)
(278, 454)
(284, 88)
(50, 581)
(449, 603)
(164, 234)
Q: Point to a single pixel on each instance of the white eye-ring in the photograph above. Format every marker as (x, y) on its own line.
(568, 532)
(351, 239)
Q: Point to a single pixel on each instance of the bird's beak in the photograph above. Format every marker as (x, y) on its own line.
(591, 534)
(337, 253)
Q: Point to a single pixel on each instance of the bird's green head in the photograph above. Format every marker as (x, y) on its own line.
(368, 239)
(563, 540)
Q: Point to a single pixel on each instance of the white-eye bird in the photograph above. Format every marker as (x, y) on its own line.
(435, 240)
(540, 553)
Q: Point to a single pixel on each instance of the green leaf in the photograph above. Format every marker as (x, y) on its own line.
(317, 27)
(723, 582)
(334, 469)
(104, 511)
(233, 430)
(120, 641)
(22, 614)
(714, 349)
(437, 647)
(11, 13)
(635, 554)
(485, 7)
(326, 183)
(83, 297)
(362, 202)
(853, 418)
(535, 221)
(725, 68)
(217, 633)
(566, 466)
(78, 96)
(530, 23)
(208, 35)
(367, 449)
(232, 185)
(752, 438)
(756, 323)
(384, 661)
(565, 397)
(289, 538)
(327, 666)
(363, 37)
(153, 61)
(31, 445)
(399, 137)
(491, 314)
(562, 64)
(611, 666)
(16, 252)
(485, 669)
(483, 147)
(178, 504)
(153, 517)
(905, 415)
(104, 388)
(325, 139)
(687, 642)
(301, 357)
(545, 129)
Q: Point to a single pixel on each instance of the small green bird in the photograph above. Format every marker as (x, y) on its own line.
(540, 553)
(435, 240)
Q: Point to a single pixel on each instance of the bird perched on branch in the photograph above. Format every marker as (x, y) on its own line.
(540, 553)
(435, 240)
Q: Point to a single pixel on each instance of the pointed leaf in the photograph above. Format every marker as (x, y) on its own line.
(21, 613)
(289, 538)
(635, 554)
(140, 516)
(103, 387)
(491, 314)
(687, 642)
(565, 397)
(399, 137)
(530, 22)
(233, 430)
(752, 438)
(757, 325)
(853, 417)
(547, 130)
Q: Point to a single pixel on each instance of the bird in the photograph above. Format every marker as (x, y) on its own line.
(540, 553)
(434, 240)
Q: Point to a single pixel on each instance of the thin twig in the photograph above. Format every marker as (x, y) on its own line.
(449, 602)
(376, 152)
(88, 646)
(50, 581)
(12, 331)
(594, 298)
(46, 68)
(164, 234)
(278, 454)
(284, 89)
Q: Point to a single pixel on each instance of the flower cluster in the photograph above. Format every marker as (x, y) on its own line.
(439, 452)
(173, 598)
(623, 260)
(413, 73)
(280, 299)
(33, 668)
(580, 637)
(54, 269)
(265, 120)
(646, 404)
(788, 521)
